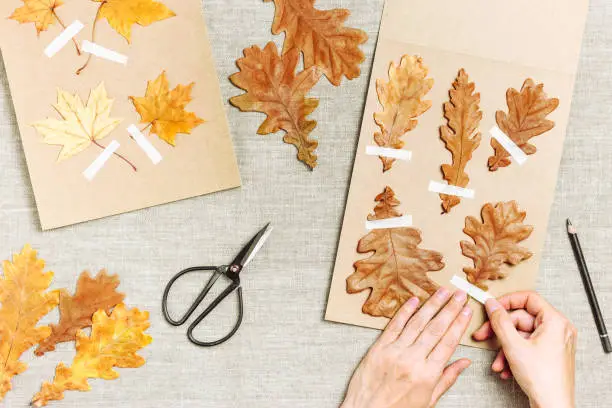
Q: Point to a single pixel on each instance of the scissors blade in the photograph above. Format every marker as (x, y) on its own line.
(248, 252)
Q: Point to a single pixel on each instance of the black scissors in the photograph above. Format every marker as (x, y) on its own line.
(231, 271)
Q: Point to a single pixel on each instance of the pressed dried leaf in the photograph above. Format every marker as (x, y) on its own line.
(113, 342)
(401, 99)
(272, 87)
(25, 300)
(163, 110)
(321, 36)
(526, 119)
(76, 311)
(397, 268)
(496, 240)
(40, 12)
(460, 136)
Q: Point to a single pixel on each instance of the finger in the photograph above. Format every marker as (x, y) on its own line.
(417, 323)
(448, 344)
(528, 300)
(499, 363)
(396, 325)
(521, 319)
(502, 325)
(448, 379)
(439, 325)
(505, 375)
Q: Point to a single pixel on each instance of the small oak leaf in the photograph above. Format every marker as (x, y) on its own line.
(122, 14)
(25, 300)
(39, 12)
(397, 268)
(113, 342)
(496, 241)
(272, 87)
(76, 311)
(164, 110)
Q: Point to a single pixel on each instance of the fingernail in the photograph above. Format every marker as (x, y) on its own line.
(413, 301)
(460, 296)
(442, 293)
(492, 305)
(467, 311)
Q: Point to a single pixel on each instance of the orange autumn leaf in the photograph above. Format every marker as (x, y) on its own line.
(272, 87)
(76, 311)
(40, 12)
(113, 342)
(460, 135)
(163, 110)
(25, 300)
(496, 240)
(526, 119)
(401, 99)
(321, 36)
(397, 268)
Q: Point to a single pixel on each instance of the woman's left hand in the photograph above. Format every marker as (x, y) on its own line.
(407, 366)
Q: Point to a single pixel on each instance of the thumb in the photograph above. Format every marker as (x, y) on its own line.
(502, 325)
(448, 379)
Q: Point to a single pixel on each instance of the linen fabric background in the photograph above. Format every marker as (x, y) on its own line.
(285, 355)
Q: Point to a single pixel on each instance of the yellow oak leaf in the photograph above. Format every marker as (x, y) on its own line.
(122, 14)
(164, 110)
(40, 12)
(25, 300)
(80, 125)
(113, 342)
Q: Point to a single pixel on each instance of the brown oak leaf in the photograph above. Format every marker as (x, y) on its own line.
(76, 311)
(321, 36)
(526, 119)
(496, 241)
(401, 99)
(397, 268)
(460, 135)
(272, 87)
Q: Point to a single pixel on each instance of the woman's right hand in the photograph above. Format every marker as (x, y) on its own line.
(538, 346)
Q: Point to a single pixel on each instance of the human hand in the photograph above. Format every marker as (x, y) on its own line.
(538, 347)
(407, 365)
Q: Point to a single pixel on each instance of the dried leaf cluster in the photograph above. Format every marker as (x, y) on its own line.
(25, 300)
(402, 102)
(271, 83)
(397, 268)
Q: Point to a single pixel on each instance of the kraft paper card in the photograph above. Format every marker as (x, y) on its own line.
(81, 73)
(506, 49)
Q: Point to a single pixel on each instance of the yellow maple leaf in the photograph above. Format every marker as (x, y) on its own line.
(25, 300)
(113, 342)
(122, 14)
(40, 12)
(164, 110)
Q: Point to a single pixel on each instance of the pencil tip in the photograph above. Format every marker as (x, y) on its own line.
(570, 227)
(568, 223)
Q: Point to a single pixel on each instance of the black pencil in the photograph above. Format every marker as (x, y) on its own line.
(588, 286)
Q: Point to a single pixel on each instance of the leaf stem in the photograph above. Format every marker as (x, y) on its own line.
(93, 37)
(146, 127)
(116, 154)
(59, 20)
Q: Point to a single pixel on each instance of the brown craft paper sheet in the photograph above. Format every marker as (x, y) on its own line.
(499, 44)
(201, 163)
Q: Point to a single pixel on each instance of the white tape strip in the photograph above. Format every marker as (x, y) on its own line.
(396, 222)
(475, 292)
(97, 164)
(400, 154)
(105, 53)
(517, 154)
(64, 38)
(442, 188)
(144, 144)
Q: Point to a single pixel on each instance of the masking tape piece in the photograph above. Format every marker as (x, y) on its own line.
(400, 154)
(516, 152)
(475, 292)
(99, 51)
(97, 164)
(442, 188)
(396, 222)
(144, 144)
(64, 38)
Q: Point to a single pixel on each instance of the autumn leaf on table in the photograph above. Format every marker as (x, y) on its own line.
(163, 110)
(80, 125)
(272, 87)
(113, 342)
(76, 311)
(496, 241)
(401, 99)
(25, 300)
(460, 135)
(321, 36)
(397, 268)
(526, 119)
